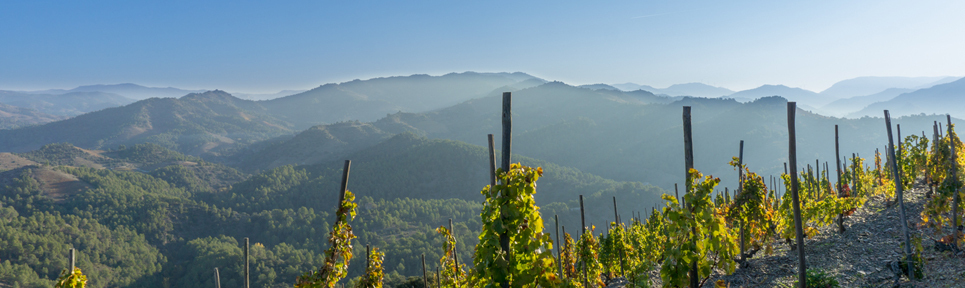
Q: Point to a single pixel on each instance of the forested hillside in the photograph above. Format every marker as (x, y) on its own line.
(182, 182)
(190, 215)
(12, 117)
(197, 124)
(628, 136)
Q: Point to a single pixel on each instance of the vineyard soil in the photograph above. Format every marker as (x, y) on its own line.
(860, 256)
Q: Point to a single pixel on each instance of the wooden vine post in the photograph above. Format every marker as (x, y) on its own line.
(854, 172)
(492, 162)
(899, 192)
(247, 284)
(953, 172)
(455, 255)
(559, 245)
(72, 260)
(795, 198)
(217, 278)
(740, 189)
(900, 148)
(507, 151)
(837, 159)
(616, 217)
(689, 164)
(425, 278)
(583, 222)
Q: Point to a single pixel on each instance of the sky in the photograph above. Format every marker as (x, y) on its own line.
(267, 46)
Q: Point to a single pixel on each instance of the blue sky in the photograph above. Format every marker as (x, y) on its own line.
(266, 46)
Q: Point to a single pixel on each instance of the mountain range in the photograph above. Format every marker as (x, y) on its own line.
(174, 182)
(940, 99)
(68, 104)
(600, 131)
(686, 89)
(844, 98)
(129, 90)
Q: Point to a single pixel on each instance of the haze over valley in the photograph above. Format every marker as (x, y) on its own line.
(167, 144)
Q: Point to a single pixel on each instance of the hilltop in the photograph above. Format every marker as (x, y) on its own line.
(195, 124)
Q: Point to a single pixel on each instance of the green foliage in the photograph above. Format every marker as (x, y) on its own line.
(819, 279)
(452, 275)
(373, 272)
(57, 154)
(588, 256)
(938, 209)
(752, 210)
(698, 233)
(149, 154)
(646, 242)
(339, 253)
(74, 279)
(914, 159)
(510, 214)
(568, 257)
(35, 246)
(818, 208)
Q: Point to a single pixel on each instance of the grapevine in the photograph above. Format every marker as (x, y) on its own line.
(511, 210)
(588, 253)
(452, 276)
(71, 280)
(339, 253)
(373, 271)
(696, 233)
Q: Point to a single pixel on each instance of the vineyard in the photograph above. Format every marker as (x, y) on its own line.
(891, 219)
(868, 228)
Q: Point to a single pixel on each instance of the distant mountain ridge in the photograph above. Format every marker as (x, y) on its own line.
(67, 104)
(801, 96)
(129, 90)
(195, 124)
(372, 99)
(15, 117)
(686, 89)
(862, 86)
(948, 98)
(213, 121)
(875, 89)
(603, 131)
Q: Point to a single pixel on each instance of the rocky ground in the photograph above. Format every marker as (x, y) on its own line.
(860, 256)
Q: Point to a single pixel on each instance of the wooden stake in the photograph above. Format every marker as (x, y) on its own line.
(341, 195)
(795, 199)
(559, 245)
(507, 129)
(72, 259)
(425, 278)
(689, 164)
(455, 254)
(899, 192)
(368, 251)
(616, 215)
(583, 221)
(953, 172)
(217, 278)
(492, 162)
(507, 151)
(247, 283)
(740, 189)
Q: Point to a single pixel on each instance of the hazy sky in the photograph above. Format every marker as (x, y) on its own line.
(262, 46)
